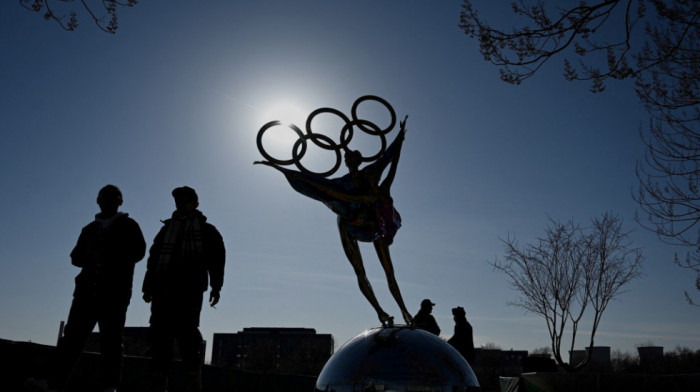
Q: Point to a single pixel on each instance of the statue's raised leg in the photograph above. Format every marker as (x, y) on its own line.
(385, 259)
(352, 251)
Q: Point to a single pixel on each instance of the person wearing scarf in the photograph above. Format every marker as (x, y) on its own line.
(187, 256)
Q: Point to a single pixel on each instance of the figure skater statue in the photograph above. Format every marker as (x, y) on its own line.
(365, 210)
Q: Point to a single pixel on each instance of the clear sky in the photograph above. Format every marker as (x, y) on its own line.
(177, 96)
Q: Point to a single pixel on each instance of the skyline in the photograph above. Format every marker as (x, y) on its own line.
(177, 96)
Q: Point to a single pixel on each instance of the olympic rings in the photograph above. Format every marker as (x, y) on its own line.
(270, 157)
(296, 155)
(383, 102)
(347, 129)
(324, 142)
(343, 141)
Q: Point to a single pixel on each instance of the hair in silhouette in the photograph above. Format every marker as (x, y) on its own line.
(110, 190)
(463, 339)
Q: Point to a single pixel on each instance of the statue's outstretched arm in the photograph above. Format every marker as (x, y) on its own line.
(266, 163)
(392, 154)
(318, 187)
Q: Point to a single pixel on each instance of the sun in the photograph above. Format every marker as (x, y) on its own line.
(278, 140)
(287, 113)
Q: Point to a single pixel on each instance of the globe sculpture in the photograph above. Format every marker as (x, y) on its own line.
(396, 359)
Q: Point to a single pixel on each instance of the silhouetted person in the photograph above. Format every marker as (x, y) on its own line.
(107, 250)
(365, 212)
(186, 257)
(463, 339)
(424, 319)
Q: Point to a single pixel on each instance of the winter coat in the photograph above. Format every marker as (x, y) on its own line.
(183, 273)
(107, 251)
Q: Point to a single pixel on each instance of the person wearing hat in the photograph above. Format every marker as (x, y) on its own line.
(106, 252)
(424, 319)
(187, 256)
(463, 339)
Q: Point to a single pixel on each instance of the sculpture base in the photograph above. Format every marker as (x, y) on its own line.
(396, 359)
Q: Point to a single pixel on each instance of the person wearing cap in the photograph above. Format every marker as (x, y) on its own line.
(187, 256)
(424, 319)
(106, 251)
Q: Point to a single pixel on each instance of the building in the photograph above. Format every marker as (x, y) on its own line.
(297, 351)
(508, 362)
(135, 343)
(599, 362)
(650, 356)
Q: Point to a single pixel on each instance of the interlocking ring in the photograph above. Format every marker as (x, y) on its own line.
(363, 124)
(324, 142)
(383, 102)
(269, 157)
(314, 137)
(344, 139)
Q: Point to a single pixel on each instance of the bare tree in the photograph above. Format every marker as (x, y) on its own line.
(102, 12)
(668, 174)
(656, 43)
(569, 271)
(602, 35)
(669, 193)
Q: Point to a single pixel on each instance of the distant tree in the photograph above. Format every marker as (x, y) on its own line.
(656, 43)
(624, 362)
(490, 346)
(681, 360)
(569, 271)
(545, 351)
(102, 12)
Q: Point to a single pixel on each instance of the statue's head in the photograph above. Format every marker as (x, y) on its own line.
(353, 159)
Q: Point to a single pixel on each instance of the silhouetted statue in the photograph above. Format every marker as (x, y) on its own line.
(186, 257)
(424, 318)
(463, 339)
(107, 250)
(360, 199)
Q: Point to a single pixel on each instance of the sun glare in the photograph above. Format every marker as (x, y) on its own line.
(279, 140)
(286, 113)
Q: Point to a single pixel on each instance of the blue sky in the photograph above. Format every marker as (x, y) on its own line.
(177, 96)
